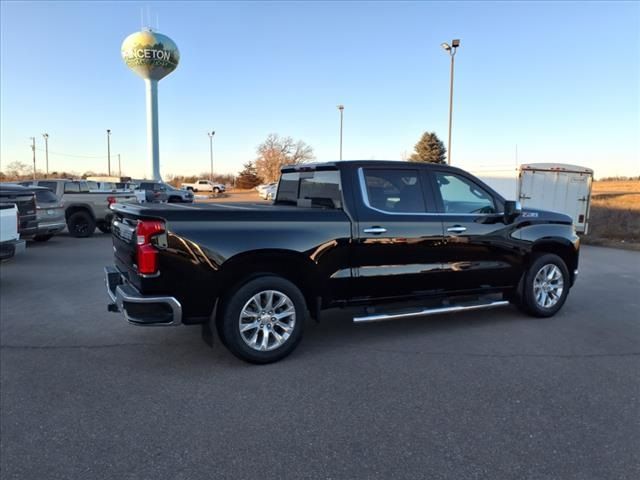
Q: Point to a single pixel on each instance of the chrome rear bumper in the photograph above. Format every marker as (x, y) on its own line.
(138, 309)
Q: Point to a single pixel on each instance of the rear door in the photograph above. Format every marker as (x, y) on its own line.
(477, 252)
(398, 234)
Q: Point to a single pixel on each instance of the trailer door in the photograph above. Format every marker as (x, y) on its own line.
(557, 191)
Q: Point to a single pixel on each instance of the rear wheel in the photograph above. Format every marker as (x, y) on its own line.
(81, 224)
(263, 321)
(174, 200)
(42, 238)
(546, 286)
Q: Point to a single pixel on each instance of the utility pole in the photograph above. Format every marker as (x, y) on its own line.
(451, 49)
(119, 167)
(211, 135)
(46, 153)
(33, 149)
(108, 152)
(341, 108)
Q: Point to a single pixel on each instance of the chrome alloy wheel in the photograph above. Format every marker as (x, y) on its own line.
(267, 320)
(548, 285)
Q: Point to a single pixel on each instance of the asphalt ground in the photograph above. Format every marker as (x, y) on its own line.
(492, 394)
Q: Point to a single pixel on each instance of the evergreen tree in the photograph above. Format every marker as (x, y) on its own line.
(248, 177)
(429, 149)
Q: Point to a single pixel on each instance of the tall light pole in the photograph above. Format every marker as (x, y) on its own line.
(109, 152)
(341, 108)
(46, 153)
(119, 167)
(211, 135)
(451, 49)
(33, 149)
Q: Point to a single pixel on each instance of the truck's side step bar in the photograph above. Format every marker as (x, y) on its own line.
(379, 317)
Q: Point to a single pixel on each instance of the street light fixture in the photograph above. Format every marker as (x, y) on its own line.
(211, 135)
(46, 153)
(109, 152)
(451, 50)
(341, 108)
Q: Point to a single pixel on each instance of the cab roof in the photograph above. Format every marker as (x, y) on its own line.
(359, 163)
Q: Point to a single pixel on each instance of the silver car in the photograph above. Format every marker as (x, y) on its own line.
(49, 214)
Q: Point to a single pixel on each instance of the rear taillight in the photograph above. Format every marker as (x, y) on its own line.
(146, 252)
(111, 200)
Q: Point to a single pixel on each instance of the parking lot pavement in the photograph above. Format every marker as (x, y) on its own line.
(490, 394)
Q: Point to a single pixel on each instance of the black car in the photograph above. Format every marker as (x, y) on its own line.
(386, 239)
(24, 199)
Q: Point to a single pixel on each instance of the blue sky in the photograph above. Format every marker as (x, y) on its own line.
(558, 79)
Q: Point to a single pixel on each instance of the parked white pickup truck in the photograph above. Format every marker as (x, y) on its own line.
(204, 186)
(10, 243)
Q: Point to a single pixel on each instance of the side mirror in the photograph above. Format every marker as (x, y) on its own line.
(511, 210)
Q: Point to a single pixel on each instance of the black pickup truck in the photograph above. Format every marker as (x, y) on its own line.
(386, 239)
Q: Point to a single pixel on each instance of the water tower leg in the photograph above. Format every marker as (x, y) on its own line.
(153, 147)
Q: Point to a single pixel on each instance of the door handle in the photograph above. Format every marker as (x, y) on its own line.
(457, 229)
(376, 230)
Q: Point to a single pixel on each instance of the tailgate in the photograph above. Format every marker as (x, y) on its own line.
(124, 236)
(123, 233)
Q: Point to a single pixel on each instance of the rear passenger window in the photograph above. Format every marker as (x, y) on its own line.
(71, 187)
(394, 190)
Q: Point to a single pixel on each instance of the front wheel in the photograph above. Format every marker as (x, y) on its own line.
(263, 320)
(546, 286)
(216, 190)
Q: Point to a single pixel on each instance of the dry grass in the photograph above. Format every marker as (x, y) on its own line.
(615, 186)
(615, 214)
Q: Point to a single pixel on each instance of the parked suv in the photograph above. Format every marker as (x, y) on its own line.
(49, 214)
(155, 192)
(179, 195)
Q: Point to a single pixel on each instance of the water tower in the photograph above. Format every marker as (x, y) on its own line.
(153, 56)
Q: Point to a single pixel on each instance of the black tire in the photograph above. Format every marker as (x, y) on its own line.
(81, 224)
(104, 227)
(530, 300)
(229, 320)
(174, 200)
(216, 190)
(42, 238)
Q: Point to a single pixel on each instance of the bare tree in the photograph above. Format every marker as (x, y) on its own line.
(276, 152)
(17, 169)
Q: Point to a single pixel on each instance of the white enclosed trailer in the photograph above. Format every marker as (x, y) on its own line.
(559, 188)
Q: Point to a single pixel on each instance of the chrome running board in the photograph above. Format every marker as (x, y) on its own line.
(379, 317)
